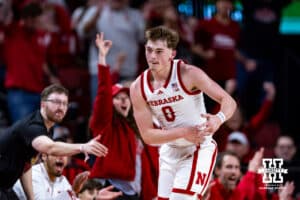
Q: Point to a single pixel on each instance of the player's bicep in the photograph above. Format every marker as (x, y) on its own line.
(204, 83)
(142, 114)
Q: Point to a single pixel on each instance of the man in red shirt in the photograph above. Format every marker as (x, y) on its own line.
(25, 52)
(216, 43)
(229, 186)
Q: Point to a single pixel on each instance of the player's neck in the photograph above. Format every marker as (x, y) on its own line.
(160, 76)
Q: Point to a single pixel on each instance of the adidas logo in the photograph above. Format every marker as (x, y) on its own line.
(159, 92)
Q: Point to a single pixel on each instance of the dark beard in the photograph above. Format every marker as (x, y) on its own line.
(50, 117)
(53, 119)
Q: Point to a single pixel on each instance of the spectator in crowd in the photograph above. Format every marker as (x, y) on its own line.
(93, 190)
(238, 143)
(154, 11)
(263, 45)
(172, 20)
(128, 164)
(24, 78)
(24, 139)
(229, 182)
(5, 19)
(89, 190)
(286, 149)
(75, 164)
(122, 25)
(285, 192)
(217, 43)
(64, 46)
(49, 183)
(238, 122)
(77, 23)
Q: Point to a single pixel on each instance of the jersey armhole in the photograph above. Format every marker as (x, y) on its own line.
(181, 82)
(142, 87)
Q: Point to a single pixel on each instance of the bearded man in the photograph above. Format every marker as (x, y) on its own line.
(24, 139)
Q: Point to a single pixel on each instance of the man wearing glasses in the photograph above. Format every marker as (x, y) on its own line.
(24, 139)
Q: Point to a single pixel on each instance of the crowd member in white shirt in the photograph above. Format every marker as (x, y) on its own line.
(49, 183)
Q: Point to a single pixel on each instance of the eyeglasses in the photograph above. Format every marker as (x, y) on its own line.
(58, 102)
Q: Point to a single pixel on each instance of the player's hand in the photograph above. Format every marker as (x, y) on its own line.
(192, 134)
(79, 181)
(95, 147)
(103, 45)
(256, 162)
(107, 193)
(211, 125)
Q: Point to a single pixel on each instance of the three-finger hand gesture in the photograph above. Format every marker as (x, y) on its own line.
(103, 45)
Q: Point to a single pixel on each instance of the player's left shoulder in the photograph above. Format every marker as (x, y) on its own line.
(188, 69)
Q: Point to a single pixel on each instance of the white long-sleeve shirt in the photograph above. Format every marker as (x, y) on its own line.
(43, 187)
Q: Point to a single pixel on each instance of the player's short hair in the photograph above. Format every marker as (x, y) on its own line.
(220, 158)
(54, 88)
(163, 33)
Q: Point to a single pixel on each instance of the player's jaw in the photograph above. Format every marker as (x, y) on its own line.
(153, 64)
(159, 66)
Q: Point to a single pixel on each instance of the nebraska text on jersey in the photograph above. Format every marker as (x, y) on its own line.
(165, 100)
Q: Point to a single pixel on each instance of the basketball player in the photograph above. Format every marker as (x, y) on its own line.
(173, 92)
